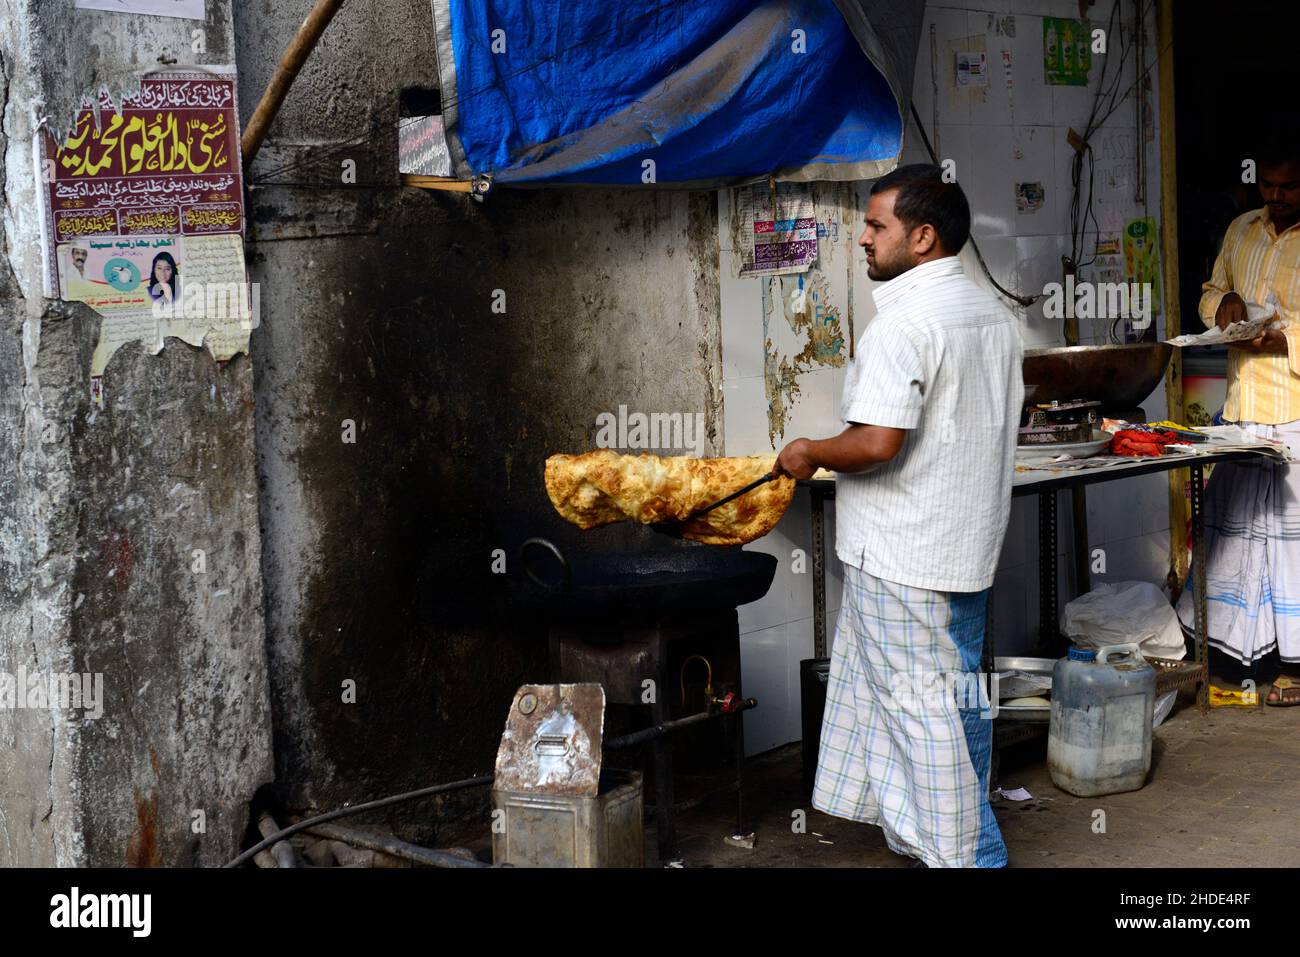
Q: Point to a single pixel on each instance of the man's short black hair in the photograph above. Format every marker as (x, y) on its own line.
(923, 197)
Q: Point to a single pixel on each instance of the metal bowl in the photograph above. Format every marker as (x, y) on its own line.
(1120, 377)
(1038, 454)
(1037, 666)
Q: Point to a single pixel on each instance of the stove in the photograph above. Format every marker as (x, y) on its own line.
(650, 628)
(1059, 422)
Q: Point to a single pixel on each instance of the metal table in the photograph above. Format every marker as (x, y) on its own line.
(1170, 674)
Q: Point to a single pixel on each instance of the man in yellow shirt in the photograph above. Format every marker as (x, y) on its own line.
(1252, 512)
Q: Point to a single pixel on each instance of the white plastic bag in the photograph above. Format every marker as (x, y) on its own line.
(1124, 612)
(1164, 705)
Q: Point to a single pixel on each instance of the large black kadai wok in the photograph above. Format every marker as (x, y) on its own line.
(664, 583)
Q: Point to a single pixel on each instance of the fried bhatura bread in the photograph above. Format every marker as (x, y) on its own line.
(601, 487)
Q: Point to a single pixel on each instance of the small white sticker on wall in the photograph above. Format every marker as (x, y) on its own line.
(1029, 197)
(972, 69)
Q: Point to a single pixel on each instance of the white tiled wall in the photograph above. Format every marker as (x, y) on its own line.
(1012, 133)
(777, 632)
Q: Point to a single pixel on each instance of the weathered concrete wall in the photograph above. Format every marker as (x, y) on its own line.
(376, 307)
(101, 514)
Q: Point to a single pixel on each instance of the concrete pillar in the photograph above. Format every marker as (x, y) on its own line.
(101, 514)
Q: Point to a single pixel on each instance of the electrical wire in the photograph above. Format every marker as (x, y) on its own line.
(358, 809)
(614, 744)
(1083, 153)
(1113, 99)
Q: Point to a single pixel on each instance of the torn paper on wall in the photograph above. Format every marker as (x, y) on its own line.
(775, 238)
(186, 9)
(802, 334)
(1029, 197)
(143, 217)
(422, 146)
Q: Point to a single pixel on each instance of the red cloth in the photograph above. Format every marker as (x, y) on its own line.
(1135, 442)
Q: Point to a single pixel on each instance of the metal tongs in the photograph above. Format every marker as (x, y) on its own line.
(674, 528)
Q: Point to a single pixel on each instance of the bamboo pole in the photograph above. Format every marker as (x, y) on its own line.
(438, 182)
(295, 55)
(1178, 478)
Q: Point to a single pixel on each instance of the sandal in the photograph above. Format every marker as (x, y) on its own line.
(1285, 692)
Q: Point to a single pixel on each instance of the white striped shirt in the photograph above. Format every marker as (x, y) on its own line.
(942, 360)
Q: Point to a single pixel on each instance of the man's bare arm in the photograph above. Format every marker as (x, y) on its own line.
(856, 449)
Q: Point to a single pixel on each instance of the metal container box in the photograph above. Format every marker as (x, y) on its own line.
(571, 830)
(553, 805)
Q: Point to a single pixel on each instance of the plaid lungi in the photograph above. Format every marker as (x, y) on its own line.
(896, 749)
(1252, 554)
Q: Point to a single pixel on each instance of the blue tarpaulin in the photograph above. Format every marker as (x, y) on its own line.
(538, 92)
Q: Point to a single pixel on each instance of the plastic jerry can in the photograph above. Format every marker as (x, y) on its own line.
(1099, 738)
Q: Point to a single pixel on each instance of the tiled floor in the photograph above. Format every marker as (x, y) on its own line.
(1224, 791)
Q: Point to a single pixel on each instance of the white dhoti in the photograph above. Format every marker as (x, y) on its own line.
(1252, 554)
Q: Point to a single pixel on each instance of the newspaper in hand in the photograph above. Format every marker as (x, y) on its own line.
(1258, 315)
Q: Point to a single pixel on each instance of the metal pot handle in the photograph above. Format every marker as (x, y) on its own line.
(537, 579)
